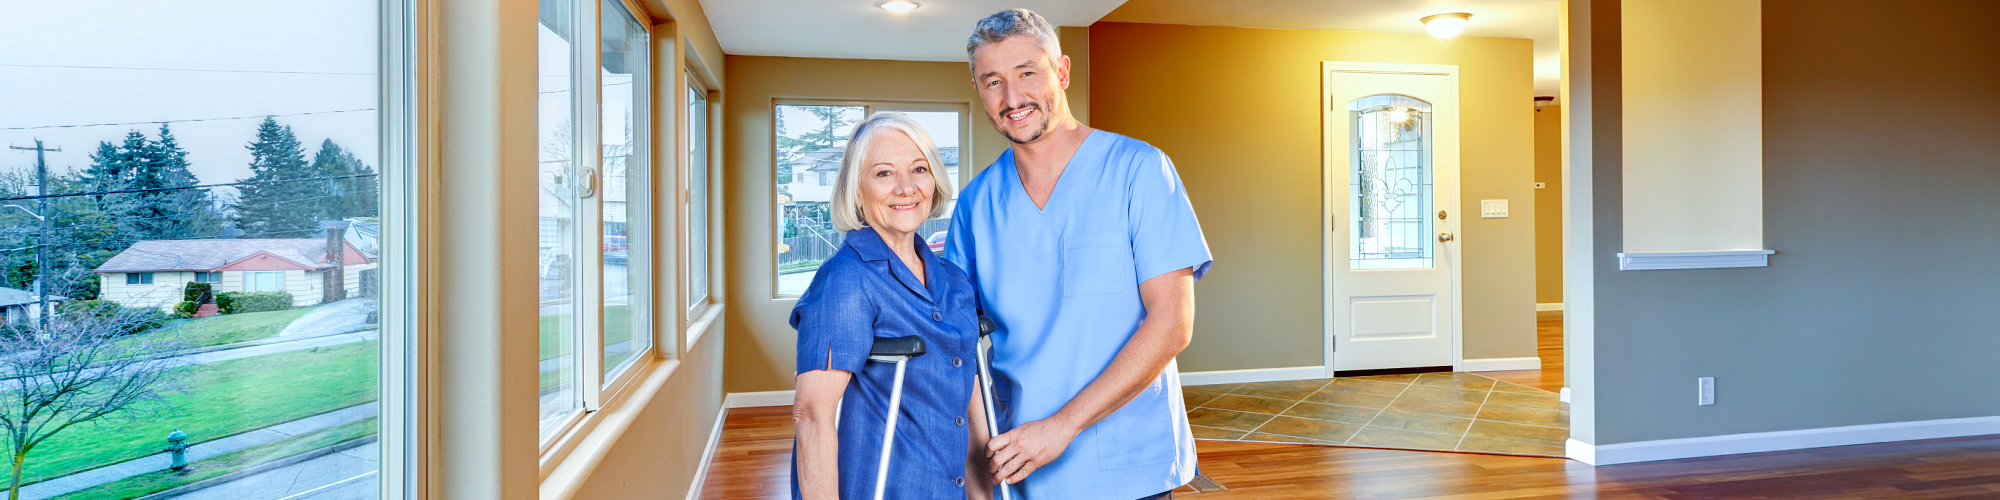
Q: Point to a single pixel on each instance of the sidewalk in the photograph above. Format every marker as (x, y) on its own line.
(158, 461)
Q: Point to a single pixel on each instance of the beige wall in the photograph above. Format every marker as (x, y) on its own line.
(1694, 126)
(1548, 206)
(761, 347)
(1237, 110)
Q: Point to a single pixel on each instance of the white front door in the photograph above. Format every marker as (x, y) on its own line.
(1391, 200)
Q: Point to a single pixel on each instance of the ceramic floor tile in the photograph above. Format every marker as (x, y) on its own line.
(1385, 437)
(1508, 447)
(1310, 429)
(1215, 388)
(1529, 416)
(1434, 424)
(1336, 413)
(1274, 438)
(1545, 400)
(1443, 394)
(1357, 399)
(1202, 432)
(1367, 387)
(1456, 381)
(1517, 433)
(1209, 417)
(1448, 408)
(1194, 399)
(1287, 389)
(1393, 379)
(1250, 404)
(1516, 388)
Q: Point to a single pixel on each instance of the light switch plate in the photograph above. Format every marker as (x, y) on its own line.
(1493, 209)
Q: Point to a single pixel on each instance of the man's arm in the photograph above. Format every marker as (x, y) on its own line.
(1167, 329)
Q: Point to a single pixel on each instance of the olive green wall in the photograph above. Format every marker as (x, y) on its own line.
(1238, 111)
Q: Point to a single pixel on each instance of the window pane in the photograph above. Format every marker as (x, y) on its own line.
(1391, 183)
(697, 210)
(623, 82)
(810, 141)
(942, 126)
(557, 219)
(140, 99)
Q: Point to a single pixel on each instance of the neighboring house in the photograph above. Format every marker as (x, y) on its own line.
(22, 306)
(813, 173)
(153, 273)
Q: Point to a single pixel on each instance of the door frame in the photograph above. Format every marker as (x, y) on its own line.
(1329, 185)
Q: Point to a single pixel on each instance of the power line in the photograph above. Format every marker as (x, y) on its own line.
(275, 72)
(188, 120)
(226, 184)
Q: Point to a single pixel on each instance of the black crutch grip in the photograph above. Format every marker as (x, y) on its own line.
(986, 325)
(911, 346)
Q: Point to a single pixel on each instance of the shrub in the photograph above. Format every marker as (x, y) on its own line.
(198, 292)
(130, 319)
(186, 308)
(249, 302)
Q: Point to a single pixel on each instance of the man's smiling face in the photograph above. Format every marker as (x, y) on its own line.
(1021, 87)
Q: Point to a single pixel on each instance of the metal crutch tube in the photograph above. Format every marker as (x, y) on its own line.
(986, 327)
(898, 350)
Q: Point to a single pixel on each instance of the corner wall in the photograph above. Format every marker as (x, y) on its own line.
(1548, 206)
(1238, 111)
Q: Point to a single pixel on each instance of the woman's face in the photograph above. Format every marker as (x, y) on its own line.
(896, 184)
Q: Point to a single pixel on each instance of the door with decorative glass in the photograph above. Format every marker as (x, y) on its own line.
(1391, 199)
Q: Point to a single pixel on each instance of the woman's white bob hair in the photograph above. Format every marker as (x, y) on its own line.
(846, 203)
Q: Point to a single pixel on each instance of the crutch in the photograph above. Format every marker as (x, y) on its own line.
(898, 350)
(986, 327)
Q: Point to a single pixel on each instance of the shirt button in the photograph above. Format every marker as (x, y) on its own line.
(960, 481)
(956, 362)
(937, 316)
(960, 421)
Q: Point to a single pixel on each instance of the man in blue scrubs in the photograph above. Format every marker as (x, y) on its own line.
(1085, 250)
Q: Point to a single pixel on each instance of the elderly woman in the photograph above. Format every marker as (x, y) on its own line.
(884, 282)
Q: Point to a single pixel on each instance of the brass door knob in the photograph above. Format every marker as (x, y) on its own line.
(1444, 237)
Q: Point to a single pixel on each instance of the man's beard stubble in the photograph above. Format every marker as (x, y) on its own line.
(1041, 128)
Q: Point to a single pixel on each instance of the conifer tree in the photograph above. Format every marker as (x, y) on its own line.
(170, 213)
(278, 209)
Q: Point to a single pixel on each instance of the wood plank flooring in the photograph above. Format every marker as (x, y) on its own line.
(1548, 346)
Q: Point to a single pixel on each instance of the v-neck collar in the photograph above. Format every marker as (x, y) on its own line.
(1021, 185)
(871, 247)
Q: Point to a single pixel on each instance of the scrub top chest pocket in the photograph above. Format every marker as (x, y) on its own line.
(1096, 263)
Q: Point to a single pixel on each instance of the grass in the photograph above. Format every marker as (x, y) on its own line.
(226, 398)
(216, 466)
(232, 328)
(799, 267)
(551, 342)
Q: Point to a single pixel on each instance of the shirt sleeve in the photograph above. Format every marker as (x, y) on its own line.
(958, 247)
(1165, 235)
(835, 320)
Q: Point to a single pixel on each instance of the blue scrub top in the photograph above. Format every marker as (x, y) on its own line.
(863, 292)
(1062, 281)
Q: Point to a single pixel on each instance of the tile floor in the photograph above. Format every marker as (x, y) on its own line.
(1431, 411)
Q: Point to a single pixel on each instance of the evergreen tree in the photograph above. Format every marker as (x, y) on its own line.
(168, 214)
(278, 209)
(349, 197)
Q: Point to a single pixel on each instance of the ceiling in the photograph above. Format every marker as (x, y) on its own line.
(856, 29)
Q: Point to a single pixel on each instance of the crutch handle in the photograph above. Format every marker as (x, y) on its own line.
(907, 347)
(986, 325)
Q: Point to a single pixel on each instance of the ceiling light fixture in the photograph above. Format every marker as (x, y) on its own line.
(898, 6)
(1446, 25)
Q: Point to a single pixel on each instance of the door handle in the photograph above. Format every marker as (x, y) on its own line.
(1444, 237)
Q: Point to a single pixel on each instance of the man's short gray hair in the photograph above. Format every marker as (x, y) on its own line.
(1010, 23)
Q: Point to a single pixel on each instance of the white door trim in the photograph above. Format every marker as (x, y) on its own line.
(1327, 200)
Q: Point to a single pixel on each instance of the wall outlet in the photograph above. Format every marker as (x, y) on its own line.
(1541, 185)
(1706, 391)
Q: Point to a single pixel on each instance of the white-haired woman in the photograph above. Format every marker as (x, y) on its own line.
(884, 282)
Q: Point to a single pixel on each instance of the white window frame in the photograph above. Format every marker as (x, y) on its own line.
(138, 279)
(697, 301)
(869, 107)
(249, 277)
(215, 274)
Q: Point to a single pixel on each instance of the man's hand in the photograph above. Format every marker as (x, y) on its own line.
(1028, 447)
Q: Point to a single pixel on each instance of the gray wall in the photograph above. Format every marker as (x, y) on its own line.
(1882, 198)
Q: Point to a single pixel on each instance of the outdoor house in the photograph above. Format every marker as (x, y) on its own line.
(153, 273)
(21, 306)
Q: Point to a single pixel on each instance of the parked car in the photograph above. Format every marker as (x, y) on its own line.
(936, 241)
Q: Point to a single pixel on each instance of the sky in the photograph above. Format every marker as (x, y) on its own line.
(254, 58)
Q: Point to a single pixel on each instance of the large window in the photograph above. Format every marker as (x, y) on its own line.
(697, 188)
(595, 243)
(811, 139)
(167, 140)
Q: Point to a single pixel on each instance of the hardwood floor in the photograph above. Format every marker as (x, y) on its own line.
(1548, 346)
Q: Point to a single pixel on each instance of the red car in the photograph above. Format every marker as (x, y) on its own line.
(936, 242)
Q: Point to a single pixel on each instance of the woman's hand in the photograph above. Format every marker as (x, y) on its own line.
(814, 409)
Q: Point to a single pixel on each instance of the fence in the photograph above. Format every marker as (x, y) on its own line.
(808, 250)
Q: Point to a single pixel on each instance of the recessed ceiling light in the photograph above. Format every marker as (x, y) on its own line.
(898, 6)
(1446, 25)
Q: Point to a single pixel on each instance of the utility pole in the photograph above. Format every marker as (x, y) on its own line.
(41, 241)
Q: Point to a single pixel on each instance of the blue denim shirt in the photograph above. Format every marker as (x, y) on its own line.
(864, 291)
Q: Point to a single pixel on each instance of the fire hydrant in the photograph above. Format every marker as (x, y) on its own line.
(177, 444)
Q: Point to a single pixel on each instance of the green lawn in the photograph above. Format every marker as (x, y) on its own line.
(225, 398)
(232, 328)
(614, 331)
(162, 480)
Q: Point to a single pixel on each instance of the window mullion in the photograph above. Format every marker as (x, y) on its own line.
(586, 80)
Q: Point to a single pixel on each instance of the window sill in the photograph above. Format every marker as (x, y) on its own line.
(583, 447)
(1656, 261)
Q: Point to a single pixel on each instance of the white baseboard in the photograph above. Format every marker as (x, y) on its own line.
(1500, 364)
(1759, 442)
(1253, 375)
(1563, 396)
(707, 455)
(756, 399)
(1549, 306)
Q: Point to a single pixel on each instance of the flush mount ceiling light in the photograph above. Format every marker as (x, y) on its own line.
(1446, 25)
(898, 6)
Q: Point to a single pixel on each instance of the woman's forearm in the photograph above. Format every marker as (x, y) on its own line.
(814, 411)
